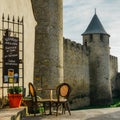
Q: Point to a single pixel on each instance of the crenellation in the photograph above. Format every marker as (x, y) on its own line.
(79, 46)
(67, 41)
(72, 44)
(113, 59)
(113, 62)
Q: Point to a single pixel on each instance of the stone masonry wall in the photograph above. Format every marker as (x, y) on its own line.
(48, 43)
(113, 73)
(100, 85)
(76, 73)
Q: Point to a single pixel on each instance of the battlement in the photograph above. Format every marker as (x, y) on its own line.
(114, 62)
(113, 58)
(72, 44)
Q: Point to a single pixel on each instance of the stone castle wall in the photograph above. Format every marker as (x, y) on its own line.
(48, 69)
(113, 72)
(99, 69)
(76, 73)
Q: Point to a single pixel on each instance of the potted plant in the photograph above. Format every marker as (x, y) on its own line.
(14, 96)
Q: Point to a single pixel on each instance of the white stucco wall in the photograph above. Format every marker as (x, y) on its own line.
(22, 8)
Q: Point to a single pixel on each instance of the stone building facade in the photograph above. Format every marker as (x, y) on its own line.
(22, 9)
(50, 59)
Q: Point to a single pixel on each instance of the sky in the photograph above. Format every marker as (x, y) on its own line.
(77, 15)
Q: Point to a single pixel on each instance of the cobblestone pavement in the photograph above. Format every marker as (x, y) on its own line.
(90, 114)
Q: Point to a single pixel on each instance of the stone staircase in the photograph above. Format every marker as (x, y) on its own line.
(12, 113)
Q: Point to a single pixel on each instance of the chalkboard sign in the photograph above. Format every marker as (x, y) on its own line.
(10, 59)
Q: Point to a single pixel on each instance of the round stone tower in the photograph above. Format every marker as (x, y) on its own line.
(97, 41)
(48, 70)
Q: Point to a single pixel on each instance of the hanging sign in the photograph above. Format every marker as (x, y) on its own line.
(10, 59)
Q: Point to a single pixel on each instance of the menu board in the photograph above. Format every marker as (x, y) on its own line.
(10, 59)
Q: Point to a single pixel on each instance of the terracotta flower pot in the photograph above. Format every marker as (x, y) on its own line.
(14, 100)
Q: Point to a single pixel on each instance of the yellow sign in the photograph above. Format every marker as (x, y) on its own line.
(10, 72)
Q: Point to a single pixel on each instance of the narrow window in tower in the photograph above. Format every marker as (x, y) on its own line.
(101, 37)
(85, 41)
(91, 37)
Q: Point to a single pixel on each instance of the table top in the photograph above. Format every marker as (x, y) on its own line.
(45, 100)
(52, 100)
(40, 89)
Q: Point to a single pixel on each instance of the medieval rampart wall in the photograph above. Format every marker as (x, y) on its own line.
(113, 72)
(76, 72)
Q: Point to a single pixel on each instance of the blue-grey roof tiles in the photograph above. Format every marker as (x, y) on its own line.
(95, 26)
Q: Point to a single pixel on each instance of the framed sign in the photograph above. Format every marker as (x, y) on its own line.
(10, 59)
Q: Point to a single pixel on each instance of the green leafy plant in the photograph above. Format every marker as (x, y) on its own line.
(15, 90)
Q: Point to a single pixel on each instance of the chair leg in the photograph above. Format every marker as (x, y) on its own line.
(44, 106)
(67, 106)
(63, 108)
(57, 106)
(34, 110)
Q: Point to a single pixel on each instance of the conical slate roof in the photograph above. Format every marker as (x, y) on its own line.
(95, 26)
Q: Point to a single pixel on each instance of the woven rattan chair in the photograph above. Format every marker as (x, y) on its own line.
(35, 103)
(63, 91)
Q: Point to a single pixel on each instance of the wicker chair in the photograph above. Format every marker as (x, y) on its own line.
(63, 91)
(35, 103)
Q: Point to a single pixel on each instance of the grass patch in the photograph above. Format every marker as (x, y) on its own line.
(115, 103)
